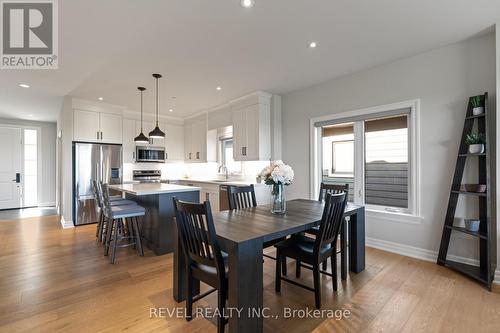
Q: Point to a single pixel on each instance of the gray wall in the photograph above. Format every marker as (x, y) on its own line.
(442, 79)
(47, 192)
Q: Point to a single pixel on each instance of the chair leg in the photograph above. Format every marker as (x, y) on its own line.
(317, 286)
(221, 304)
(189, 296)
(333, 261)
(137, 237)
(283, 267)
(325, 265)
(115, 241)
(297, 268)
(109, 228)
(278, 272)
(99, 223)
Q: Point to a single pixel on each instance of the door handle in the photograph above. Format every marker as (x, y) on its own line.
(18, 178)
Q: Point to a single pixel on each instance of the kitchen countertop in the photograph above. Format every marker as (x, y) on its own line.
(152, 188)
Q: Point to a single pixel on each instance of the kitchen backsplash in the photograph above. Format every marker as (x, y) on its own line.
(194, 170)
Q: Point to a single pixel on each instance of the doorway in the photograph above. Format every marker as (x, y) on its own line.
(20, 170)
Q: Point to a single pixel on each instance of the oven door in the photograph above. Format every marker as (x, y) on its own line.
(150, 154)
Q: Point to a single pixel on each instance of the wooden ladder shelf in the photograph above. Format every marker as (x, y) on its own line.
(487, 262)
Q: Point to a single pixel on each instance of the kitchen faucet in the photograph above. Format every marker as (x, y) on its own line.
(223, 169)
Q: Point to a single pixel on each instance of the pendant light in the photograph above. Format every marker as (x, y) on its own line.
(141, 138)
(157, 133)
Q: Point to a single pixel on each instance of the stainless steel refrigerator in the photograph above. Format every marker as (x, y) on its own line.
(93, 161)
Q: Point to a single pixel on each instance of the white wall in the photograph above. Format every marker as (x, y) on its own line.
(47, 190)
(442, 79)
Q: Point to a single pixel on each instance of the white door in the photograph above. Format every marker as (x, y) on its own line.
(86, 126)
(10, 168)
(110, 127)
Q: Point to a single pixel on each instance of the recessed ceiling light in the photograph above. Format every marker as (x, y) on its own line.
(219, 88)
(101, 98)
(171, 110)
(23, 85)
(312, 45)
(247, 3)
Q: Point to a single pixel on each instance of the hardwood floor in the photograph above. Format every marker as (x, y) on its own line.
(54, 280)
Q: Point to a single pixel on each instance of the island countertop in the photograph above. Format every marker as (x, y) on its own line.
(152, 188)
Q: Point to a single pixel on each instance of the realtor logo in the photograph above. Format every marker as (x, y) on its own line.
(29, 34)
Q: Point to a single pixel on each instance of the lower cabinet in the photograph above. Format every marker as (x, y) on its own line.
(208, 192)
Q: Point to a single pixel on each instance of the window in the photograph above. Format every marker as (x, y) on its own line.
(372, 150)
(226, 156)
(30, 188)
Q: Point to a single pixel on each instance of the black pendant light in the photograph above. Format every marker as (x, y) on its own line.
(141, 138)
(157, 133)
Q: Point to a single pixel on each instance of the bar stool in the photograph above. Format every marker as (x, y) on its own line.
(121, 225)
(114, 201)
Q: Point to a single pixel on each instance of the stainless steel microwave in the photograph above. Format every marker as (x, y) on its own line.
(150, 154)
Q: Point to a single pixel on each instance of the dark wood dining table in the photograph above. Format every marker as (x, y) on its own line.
(241, 233)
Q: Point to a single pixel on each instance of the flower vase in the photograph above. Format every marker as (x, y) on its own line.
(278, 203)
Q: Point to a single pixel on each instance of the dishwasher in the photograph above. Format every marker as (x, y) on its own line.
(223, 198)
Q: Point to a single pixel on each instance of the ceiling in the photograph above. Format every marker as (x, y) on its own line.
(108, 48)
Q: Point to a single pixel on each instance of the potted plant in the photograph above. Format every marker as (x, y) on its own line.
(476, 142)
(477, 105)
(278, 175)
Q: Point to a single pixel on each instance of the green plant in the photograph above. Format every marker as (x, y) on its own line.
(476, 101)
(475, 139)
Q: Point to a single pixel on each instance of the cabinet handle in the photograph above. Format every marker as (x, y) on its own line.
(207, 196)
(197, 155)
(166, 155)
(97, 135)
(189, 155)
(133, 155)
(101, 135)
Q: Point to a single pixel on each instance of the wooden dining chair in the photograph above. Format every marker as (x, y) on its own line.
(315, 251)
(241, 197)
(205, 260)
(332, 189)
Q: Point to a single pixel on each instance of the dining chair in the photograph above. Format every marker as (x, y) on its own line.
(314, 251)
(122, 229)
(332, 189)
(205, 260)
(241, 197)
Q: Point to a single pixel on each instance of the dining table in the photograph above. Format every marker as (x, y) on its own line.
(242, 233)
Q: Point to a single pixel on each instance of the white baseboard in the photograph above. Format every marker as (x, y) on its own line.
(46, 204)
(66, 224)
(415, 252)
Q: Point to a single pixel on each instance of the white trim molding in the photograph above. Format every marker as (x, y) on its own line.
(66, 224)
(415, 252)
(47, 204)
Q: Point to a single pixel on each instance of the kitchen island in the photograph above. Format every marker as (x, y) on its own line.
(157, 227)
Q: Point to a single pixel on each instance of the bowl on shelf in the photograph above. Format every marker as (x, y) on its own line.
(480, 188)
(472, 224)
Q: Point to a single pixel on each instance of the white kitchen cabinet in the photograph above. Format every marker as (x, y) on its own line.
(174, 142)
(111, 127)
(129, 134)
(91, 126)
(86, 126)
(252, 129)
(209, 191)
(195, 140)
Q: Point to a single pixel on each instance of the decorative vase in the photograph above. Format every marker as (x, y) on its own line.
(478, 110)
(278, 203)
(476, 148)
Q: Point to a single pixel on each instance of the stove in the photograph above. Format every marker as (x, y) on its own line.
(147, 176)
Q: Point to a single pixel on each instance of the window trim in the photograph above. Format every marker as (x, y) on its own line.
(413, 156)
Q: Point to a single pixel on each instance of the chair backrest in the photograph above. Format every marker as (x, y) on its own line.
(103, 191)
(197, 233)
(333, 215)
(332, 189)
(97, 195)
(241, 197)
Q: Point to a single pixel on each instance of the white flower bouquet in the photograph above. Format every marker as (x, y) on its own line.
(277, 173)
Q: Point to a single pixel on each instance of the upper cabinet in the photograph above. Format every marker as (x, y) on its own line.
(195, 139)
(251, 118)
(91, 126)
(174, 142)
